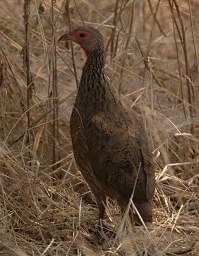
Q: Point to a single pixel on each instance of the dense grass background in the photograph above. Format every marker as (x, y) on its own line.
(152, 57)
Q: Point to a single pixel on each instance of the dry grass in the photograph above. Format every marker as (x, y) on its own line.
(152, 55)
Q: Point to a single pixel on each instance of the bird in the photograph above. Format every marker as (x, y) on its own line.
(109, 140)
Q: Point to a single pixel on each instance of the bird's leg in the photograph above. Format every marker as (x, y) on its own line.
(101, 208)
(103, 232)
(100, 226)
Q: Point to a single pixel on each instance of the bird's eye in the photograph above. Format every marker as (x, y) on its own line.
(82, 35)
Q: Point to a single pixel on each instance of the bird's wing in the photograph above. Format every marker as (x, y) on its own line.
(118, 156)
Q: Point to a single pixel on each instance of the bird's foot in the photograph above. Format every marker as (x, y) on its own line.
(104, 234)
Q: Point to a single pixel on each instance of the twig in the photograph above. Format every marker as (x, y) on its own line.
(26, 55)
(67, 10)
(54, 90)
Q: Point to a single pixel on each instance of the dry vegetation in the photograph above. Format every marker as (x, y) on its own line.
(152, 56)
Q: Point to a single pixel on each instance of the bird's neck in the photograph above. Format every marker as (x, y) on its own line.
(93, 83)
(95, 61)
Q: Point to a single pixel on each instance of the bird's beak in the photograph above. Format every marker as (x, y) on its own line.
(66, 37)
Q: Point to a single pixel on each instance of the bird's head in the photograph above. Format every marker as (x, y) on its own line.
(88, 38)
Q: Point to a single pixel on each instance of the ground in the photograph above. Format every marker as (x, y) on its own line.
(151, 57)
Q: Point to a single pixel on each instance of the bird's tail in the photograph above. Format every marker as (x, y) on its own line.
(141, 212)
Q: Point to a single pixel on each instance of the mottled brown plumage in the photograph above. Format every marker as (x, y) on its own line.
(109, 140)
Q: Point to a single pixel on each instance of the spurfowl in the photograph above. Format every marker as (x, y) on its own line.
(109, 140)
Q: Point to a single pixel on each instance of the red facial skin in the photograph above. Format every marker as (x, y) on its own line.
(79, 37)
